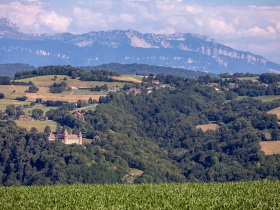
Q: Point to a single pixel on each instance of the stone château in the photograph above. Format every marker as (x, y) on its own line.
(66, 138)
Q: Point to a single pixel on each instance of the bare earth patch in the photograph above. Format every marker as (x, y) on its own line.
(210, 126)
(275, 111)
(270, 147)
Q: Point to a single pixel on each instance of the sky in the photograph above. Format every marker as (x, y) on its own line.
(247, 25)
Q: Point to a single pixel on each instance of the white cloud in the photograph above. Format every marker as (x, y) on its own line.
(56, 22)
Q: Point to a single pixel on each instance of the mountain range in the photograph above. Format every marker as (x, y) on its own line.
(187, 51)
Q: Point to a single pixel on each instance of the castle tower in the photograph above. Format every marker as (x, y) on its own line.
(65, 135)
(80, 136)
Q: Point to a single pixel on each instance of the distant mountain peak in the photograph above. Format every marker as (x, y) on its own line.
(6, 24)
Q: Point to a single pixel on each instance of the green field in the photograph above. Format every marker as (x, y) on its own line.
(263, 98)
(248, 78)
(40, 125)
(234, 195)
(6, 102)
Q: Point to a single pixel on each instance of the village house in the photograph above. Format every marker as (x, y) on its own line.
(217, 89)
(234, 86)
(134, 90)
(79, 115)
(73, 87)
(83, 86)
(43, 118)
(84, 100)
(24, 118)
(66, 138)
(113, 89)
(155, 81)
(162, 86)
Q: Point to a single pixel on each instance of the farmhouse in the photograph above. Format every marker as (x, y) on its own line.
(113, 89)
(66, 138)
(43, 118)
(79, 115)
(73, 87)
(83, 86)
(134, 90)
(24, 118)
(155, 81)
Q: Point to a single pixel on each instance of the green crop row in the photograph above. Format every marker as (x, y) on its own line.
(234, 195)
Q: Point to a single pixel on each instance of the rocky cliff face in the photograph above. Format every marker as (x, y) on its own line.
(189, 51)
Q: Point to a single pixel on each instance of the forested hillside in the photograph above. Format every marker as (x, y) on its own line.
(153, 132)
(144, 69)
(11, 69)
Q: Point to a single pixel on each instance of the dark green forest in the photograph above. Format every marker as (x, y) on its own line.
(153, 132)
(12, 68)
(145, 70)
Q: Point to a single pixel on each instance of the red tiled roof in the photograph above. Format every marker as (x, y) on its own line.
(23, 116)
(83, 85)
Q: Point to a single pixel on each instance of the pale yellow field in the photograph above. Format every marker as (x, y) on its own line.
(127, 78)
(9, 89)
(275, 111)
(270, 147)
(210, 126)
(47, 80)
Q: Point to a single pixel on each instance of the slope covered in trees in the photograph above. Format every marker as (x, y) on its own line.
(11, 69)
(153, 132)
(144, 69)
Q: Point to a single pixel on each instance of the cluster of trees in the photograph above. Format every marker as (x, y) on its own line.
(99, 75)
(236, 75)
(2, 95)
(58, 88)
(269, 78)
(97, 88)
(50, 70)
(33, 89)
(145, 70)
(16, 111)
(22, 98)
(5, 80)
(27, 159)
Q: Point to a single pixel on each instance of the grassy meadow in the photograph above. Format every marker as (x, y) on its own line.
(248, 78)
(232, 195)
(40, 125)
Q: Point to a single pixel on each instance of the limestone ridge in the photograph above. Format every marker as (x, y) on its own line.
(187, 51)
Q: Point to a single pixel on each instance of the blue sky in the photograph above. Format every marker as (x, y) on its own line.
(248, 25)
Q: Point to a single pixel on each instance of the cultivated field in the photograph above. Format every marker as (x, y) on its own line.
(40, 125)
(130, 78)
(43, 83)
(210, 126)
(275, 111)
(46, 81)
(233, 195)
(270, 147)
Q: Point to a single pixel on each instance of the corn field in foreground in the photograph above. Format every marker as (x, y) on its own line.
(234, 195)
